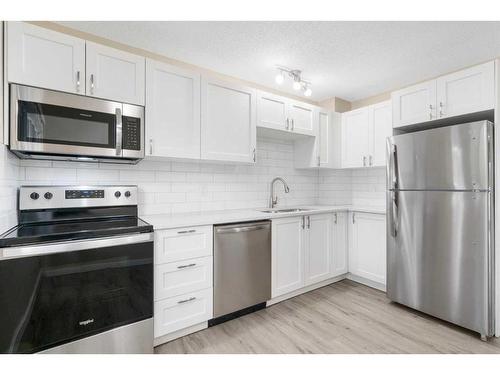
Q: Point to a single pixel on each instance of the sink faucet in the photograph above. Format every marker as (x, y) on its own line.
(273, 200)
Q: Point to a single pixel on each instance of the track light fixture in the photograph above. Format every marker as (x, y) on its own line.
(295, 75)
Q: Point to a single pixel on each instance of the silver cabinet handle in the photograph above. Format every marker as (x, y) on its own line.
(303, 222)
(118, 112)
(150, 146)
(371, 160)
(78, 80)
(430, 111)
(92, 84)
(186, 231)
(319, 161)
(287, 126)
(441, 113)
(353, 219)
(254, 155)
(187, 300)
(364, 161)
(309, 222)
(293, 124)
(336, 217)
(186, 266)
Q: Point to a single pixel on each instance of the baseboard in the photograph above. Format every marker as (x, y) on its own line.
(305, 289)
(181, 332)
(367, 282)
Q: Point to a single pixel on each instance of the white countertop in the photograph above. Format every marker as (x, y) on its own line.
(190, 219)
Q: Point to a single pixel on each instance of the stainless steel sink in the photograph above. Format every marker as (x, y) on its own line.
(284, 210)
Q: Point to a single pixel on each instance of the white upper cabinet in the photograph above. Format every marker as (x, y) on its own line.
(44, 58)
(364, 134)
(414, 104)
(466, 91)
(114, 74)
(380, 128)
(228, 121)
(172, 111)
(302, 118)
(272, 111)
(355, 138)
(285, 114)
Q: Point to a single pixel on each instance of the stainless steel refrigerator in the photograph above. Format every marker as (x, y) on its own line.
(440, 223)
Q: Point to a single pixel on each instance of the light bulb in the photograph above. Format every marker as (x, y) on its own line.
(297, 85)
(308, 92)
(279, 78)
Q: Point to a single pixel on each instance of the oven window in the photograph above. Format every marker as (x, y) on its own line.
(54, 299)
(45, 123)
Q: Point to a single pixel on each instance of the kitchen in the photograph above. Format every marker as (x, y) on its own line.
(268, 208)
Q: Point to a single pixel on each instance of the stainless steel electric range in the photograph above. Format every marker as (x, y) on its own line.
(76, 274)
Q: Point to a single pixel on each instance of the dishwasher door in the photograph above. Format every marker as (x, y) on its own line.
(242, 266)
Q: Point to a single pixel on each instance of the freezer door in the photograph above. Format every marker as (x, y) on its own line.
(438, 255)
(449, 158)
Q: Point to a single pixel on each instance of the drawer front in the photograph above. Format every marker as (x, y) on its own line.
(173, 279)
(182, 311)
(183, 243)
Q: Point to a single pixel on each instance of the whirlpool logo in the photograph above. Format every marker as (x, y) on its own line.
(86, 322)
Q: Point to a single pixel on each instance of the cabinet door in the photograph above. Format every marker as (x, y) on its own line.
(287, 255)
(115, 75)
(367, 250)
(272, 111)
(414, 104)
(380, 129)
(339, 261)
(228, 119)
(325, 135)
(172, 111)
(44, 58)
(355, 142)
(302, 118)
(467, 91)
(318, 248)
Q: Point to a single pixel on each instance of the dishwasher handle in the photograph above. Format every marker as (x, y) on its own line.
(242, 228)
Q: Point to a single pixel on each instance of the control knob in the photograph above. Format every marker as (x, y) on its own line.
(34, 195)
(118, 194)
(127, 194)
(48, 195)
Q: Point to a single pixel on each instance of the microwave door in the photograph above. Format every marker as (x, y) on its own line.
(456, 157)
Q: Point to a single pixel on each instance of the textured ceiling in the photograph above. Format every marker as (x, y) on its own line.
(350, 60)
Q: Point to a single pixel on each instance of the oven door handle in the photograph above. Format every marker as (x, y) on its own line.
(119, 131)
(68, 246)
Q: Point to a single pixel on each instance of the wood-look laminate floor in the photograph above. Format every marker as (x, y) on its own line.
(345, 317)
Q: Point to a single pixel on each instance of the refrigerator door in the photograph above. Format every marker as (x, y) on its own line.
(439, 255)
(449, 158)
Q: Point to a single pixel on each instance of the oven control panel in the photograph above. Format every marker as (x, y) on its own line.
(131, 128)
(52, 197)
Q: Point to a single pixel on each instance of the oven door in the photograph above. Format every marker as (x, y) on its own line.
(51, 122)
(58, 293)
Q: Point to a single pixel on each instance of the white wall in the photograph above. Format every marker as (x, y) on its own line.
(170, 187)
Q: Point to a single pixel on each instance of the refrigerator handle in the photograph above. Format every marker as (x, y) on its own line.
(392, 185)
(393, 212)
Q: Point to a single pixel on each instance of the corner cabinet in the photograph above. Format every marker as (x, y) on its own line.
(44, 58)
(172, 111)
(284, 114)
(466, 91)
(114, 74)
(364, 134)
(228, 121)
(367, 247)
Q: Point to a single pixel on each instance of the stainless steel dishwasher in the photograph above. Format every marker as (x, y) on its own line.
(242, 269)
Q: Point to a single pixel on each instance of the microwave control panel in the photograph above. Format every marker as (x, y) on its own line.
(131, 127)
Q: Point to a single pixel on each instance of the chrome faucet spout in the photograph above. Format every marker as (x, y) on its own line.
(273, 200)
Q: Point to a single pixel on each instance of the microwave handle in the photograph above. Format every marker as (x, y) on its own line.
(118, 132)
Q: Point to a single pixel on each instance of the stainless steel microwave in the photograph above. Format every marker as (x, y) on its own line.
(47, 124)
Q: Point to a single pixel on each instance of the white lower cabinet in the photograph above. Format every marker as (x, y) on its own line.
(173, 314)
(183, 279)
(367, 247)
(304, 251)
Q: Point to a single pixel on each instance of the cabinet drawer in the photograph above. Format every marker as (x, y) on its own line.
(173, 279)
(182, 311)
(183, 243)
